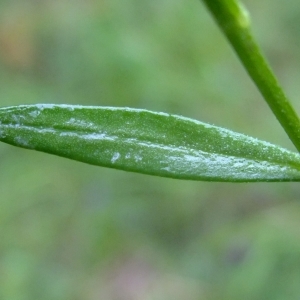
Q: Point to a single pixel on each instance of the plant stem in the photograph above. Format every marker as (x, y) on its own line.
(233, 19)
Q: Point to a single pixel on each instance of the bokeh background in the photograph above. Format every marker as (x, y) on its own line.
(75, 231)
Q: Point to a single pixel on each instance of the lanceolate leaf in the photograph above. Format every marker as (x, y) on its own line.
(146, 142)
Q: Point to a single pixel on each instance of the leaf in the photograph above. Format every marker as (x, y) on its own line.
(146, 142)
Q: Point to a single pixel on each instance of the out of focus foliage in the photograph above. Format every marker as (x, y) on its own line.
(73, 231)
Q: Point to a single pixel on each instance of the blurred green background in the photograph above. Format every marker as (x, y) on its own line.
(74, 231)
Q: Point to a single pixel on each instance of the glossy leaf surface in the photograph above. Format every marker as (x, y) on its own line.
(146, 142)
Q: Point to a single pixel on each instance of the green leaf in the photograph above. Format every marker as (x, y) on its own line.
(146, 142)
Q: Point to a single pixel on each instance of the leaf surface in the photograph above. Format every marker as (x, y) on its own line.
(146, 142)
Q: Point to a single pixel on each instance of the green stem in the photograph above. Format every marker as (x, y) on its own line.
(234, 21)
